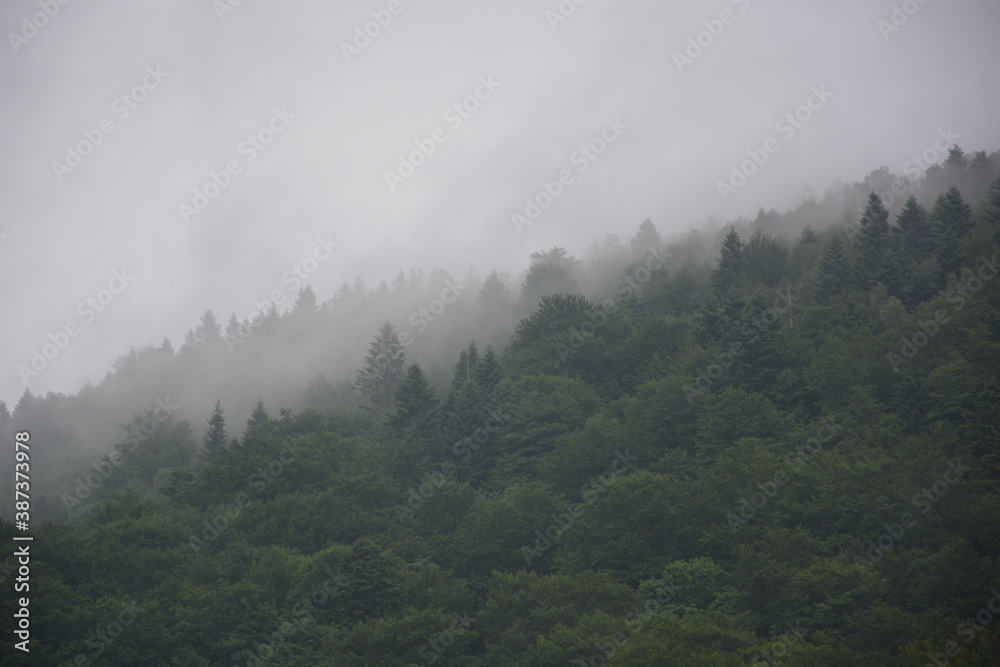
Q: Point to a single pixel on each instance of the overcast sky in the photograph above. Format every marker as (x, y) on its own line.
(183, 87)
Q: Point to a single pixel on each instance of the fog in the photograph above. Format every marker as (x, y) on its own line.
(307, 117)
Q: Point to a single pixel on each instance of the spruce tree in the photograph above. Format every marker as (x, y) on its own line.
(950, 211)
(216, 438)
(258, 421)
(991, 209)
(383, 367)
(646, 239)
(729, 274)
(873, 241)
(834, 271)
(415, 405)
(465, 370)
(914, 230)
(489, 374)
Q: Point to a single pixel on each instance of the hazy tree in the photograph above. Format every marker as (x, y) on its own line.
(646, 239)
(834, 271)
(305, 303)
(730, 271)
(167, 347)
(383, 367)
(873, 243)
(258, 421)
(551, 272)
(494, 300)
(399, 282)
(415, 405)
(913, 226)
(950, 211)
(991, 210)
(489, 373)
(765, 259)
(215, 438)
(466, 369)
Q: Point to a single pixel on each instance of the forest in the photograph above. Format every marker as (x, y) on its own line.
(774, 441)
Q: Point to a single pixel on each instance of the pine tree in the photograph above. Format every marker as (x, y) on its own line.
(383, 367)
(834, 271)
(305, 303)
(914, 230)
(952, 220)
(914, 269)
(729, 274)
(208, 330)
(489, 374)
(466, 369)
(399, 283)
(764, 259)
(646, 239)
(415, 405)
(494, 303)
(950, 211)
(950, 254)
(873, 241)
(991, 209)
(232, 327)
(808, 235)
(551, 272)
(167, 347)
(216, 438)
(258, 421)
(461, 371)
(955, 165)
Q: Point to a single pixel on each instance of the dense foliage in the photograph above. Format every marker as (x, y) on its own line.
(789, 452)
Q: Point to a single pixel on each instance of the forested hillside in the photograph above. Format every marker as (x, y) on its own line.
(772, 442)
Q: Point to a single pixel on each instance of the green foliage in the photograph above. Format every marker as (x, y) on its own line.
(823, 493)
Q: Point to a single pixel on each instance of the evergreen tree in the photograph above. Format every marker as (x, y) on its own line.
(951, 256)
(399, 283)
(951, 212)
(488, 373)
(383, 367)
(305, 303)
(991, 209)
(914, 231)
(955, 165)
(834, 271)
(764, 259)
(232, 327)
(216, 438)
(466, 369)
(258, 422)
(914, 268)
(729, 273)
(646, 239)
(167, 347)
(551, 272)
(415, 405)
(873, 241)
(206, 336)
(495, 307)
(808, 235)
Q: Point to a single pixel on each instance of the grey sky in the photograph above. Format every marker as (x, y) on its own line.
(322, 176)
